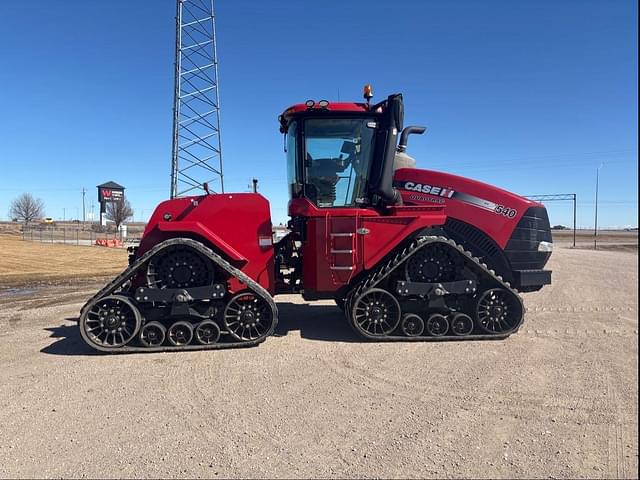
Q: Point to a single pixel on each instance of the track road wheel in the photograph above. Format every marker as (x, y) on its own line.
(111, 322)
(247, 317)
(180, 333)
(497, 311)
(412, 325)
(461, 324)
(153, 334)
(207, 332)
(437, 325)
(376, 312)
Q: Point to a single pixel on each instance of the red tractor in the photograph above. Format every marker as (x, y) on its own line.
(407, 254)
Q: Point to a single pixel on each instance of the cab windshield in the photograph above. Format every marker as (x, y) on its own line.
(337, 157)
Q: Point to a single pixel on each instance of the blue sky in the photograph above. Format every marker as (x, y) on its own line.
(530, 96)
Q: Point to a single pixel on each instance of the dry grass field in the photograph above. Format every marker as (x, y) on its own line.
(617, 240)
(28, 263)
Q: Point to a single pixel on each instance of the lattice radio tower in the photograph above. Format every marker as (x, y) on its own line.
(197, 148)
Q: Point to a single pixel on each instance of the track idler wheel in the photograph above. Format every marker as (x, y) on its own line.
(461, 324)
(498, 311)
(247, 317)
(376, 312)
(153, 334)
(412, 325)
(437, 325)
(207, 332)
(111, 322)
(180, 333)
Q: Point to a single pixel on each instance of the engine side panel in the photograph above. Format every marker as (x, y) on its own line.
(237, 225)
(492, 210)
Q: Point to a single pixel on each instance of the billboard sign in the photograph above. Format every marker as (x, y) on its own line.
(110, 194)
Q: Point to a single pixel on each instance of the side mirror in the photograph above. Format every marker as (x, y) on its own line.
(348, 147)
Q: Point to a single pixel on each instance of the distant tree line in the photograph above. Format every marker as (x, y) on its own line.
(26, 208)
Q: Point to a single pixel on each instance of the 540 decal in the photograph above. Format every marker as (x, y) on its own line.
(506, 211)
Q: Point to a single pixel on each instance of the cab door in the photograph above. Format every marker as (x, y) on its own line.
(335, 158)
(330, 253)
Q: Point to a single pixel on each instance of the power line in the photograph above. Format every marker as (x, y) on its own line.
(555, 197)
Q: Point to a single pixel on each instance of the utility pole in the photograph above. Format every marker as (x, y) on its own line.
(83, 210)
(595, 228)
(64, 213)
(574, 220)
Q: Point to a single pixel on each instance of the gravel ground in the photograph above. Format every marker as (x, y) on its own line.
(558, 399)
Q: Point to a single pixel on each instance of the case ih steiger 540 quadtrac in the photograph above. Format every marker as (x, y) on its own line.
(407, 254)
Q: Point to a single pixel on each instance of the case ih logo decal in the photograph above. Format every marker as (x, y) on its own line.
(430, 189)
(450, 193)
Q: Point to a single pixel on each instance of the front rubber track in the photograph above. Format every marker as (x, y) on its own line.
(380, 273)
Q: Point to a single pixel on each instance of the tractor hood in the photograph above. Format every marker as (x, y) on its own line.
(491, 209)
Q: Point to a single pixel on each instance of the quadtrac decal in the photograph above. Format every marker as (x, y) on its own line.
(438, 194)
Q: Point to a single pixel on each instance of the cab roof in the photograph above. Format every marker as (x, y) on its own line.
(329, 107)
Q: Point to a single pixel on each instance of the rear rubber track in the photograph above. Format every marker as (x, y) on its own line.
(121, 281)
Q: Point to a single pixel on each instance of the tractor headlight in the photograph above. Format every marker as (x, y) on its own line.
(545, 247)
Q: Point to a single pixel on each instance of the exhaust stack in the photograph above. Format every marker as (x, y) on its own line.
(402, 160)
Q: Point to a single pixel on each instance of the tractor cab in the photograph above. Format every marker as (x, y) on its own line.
(330, 152)
(342, 154)
(340, 165)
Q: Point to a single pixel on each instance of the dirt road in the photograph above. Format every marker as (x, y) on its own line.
(558, 399)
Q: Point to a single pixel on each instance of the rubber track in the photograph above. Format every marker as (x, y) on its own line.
(383, 271)
(127, 274)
